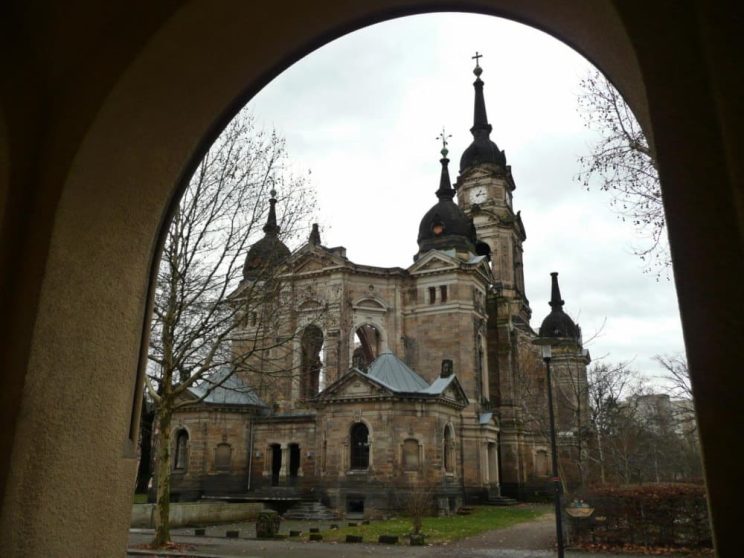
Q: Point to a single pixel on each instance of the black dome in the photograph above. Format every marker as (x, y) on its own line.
(267, 252)
(446, 226)
(482, 150)
(558, 323)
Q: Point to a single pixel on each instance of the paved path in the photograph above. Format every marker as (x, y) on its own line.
(533, 539)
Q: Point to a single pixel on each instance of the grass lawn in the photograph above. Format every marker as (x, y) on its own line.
(140, 498)
(444, 529)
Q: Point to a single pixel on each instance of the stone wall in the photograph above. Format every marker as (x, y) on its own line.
(196, 513)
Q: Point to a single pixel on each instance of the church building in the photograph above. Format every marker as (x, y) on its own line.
(377, 382)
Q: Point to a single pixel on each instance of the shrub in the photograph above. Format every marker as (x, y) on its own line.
(267, 524)
(651, 515)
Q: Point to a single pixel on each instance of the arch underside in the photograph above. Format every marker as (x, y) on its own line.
(100, 167)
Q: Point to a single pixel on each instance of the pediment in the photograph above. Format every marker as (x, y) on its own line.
(370, 303)
(433, 261)
(353, 385)
(455, 393)
(310, 305)
(478, 173)
(313, 261)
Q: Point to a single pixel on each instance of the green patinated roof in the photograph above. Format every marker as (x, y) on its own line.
(388, 370)
(230, 391)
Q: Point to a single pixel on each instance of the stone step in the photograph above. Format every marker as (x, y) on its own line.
(501, 501)
(310, 511)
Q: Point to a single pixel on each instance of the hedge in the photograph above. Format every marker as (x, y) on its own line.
(651, 515)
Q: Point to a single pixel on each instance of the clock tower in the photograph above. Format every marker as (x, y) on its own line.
(484, 192)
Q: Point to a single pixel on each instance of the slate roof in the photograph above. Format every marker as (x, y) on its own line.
(485, 418)
(233, 391)
(392, 373)
(438, 386)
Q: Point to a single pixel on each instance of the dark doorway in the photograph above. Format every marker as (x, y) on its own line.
(355, 505)
(276, 463)
(294, 462)
(359, 441)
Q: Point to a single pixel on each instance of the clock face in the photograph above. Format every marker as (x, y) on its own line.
(479, 195)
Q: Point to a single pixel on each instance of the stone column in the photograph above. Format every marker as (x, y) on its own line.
(284, 470)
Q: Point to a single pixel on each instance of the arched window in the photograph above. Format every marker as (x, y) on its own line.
(359, 442)
(182, 449)
(313, 376)
(449, 450)
(222, 457)
(366, 346)
(411, 460)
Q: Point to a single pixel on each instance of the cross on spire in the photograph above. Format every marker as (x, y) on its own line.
(444, 136)
(477, 58)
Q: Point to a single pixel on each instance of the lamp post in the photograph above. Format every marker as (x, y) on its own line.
(547, 356)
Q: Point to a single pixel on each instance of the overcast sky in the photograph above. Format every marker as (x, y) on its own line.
(362, 114)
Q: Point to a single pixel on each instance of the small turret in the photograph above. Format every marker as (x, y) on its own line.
(558, 323)
(270, 250)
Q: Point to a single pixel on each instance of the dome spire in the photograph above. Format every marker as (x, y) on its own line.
(556, 302)
(480, 119)
(271, 228)
(269, 251)
(482, 149)
(445, 185)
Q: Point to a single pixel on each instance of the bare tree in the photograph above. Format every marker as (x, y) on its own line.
(677, 374)
(608, 385)
(624, 164)
(640, 434)
(201, 299)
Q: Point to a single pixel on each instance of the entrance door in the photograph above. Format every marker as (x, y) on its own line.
(276, 463)
(294, 462)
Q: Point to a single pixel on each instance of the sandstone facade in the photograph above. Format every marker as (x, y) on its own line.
(367, 383)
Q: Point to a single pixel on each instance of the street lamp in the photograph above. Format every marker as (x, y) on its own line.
(547, 356)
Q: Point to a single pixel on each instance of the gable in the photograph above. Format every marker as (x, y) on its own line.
(313, 263)
(352, 385)
(433, 261)
(455, 394)
(369, 304)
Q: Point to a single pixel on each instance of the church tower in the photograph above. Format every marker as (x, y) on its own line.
(484, 192)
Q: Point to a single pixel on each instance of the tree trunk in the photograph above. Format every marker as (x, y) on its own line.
(144, 470)
(600, 453)
(162, 505)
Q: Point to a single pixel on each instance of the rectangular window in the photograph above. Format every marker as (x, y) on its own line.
(432, 295)
(411, 455)
(443, 293)
(222, 455)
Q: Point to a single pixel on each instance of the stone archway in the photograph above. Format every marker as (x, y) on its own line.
(98, 168)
